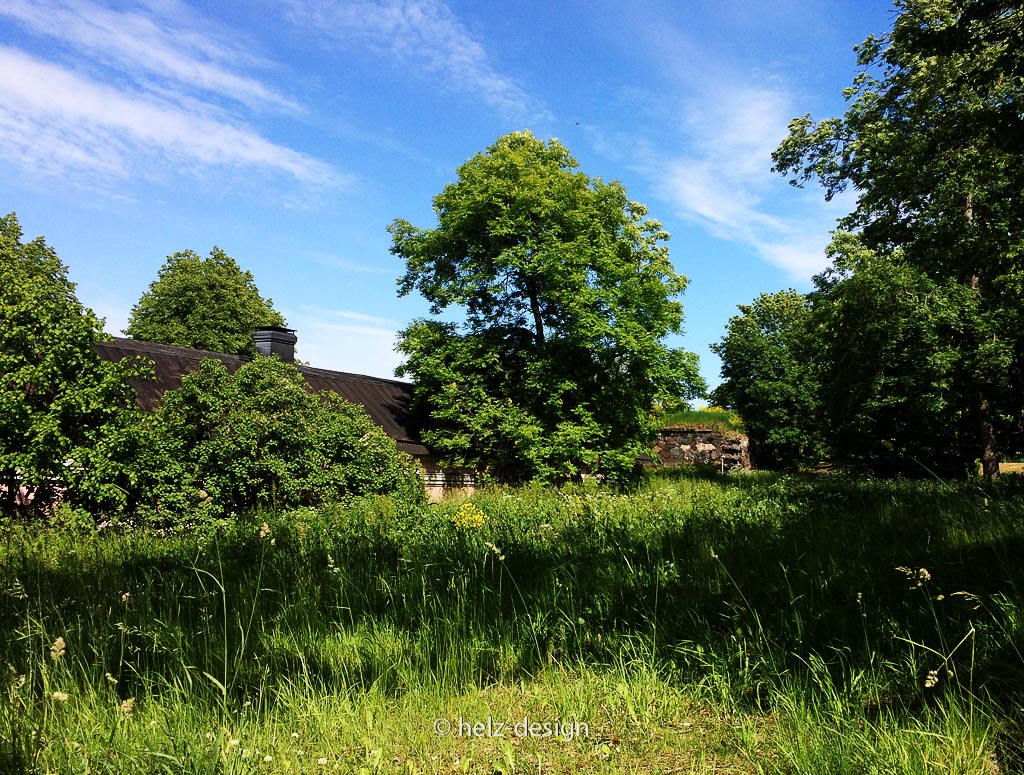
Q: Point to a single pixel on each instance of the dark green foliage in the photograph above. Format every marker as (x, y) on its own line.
(205, 303)
(59, 401)
(771, 378)
(932, 144)
(894, 382)
(225, 443)
(568, 294)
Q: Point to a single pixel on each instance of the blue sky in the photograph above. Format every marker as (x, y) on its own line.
(291, 133)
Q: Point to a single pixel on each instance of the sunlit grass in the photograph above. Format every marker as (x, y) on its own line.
(711, 418)
(751, 624)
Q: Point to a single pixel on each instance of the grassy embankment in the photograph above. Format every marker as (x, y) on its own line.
(714, 419)
(740, 624)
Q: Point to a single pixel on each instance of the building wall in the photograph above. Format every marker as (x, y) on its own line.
(445, 482)
(701, 446)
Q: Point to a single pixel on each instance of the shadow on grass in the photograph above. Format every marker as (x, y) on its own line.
(771, 567)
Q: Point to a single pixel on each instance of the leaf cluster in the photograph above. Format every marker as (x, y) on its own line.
(225, 444)
(567, 293)
(867, 369)
(58, 399)
(205, 303)
(771, 380)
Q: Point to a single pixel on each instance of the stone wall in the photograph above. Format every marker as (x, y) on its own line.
(701, 446)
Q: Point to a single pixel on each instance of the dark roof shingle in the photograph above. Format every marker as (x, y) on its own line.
(385, 400)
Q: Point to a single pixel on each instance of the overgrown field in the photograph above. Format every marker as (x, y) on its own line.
(736, 624)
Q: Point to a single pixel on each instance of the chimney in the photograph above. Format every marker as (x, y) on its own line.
(276, 340)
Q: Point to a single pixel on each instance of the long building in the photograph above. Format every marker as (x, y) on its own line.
(386, 401)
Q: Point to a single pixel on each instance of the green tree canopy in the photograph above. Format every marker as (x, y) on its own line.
(893, 380)
(58, 399)
(227, 443)
(932, 143)
(206, 303)
(568, 294)
(771, 378)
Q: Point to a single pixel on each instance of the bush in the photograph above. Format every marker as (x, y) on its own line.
(227, 443)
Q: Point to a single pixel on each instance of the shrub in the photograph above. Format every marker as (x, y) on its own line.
(227, 443)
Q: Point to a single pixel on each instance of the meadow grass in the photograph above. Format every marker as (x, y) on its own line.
(749, 623)
(715, 419)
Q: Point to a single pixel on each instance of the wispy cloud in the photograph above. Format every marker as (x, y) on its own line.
(148, 93)
(723, 180)
(424, 36)
(162, 48)
(713, 167)
(359, 348)
(326, 315)
(57, 120)
(348, 265)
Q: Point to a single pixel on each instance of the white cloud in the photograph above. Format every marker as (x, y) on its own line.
(731, 132)
(704, 190)
(802, 256)
(723, 180)
(357, 349)
(713, 165)
(739, 126)
(338, 262)
(424, 36)
(56, 120)
(364, 318)
(337, 314)
(158, 46)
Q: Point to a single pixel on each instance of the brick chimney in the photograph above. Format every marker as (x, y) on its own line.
(276, 340)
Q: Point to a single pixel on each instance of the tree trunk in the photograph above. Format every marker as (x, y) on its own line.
(538, 322)
(986, 431)
(987, 438)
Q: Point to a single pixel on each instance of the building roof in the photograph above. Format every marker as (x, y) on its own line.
(385, 400)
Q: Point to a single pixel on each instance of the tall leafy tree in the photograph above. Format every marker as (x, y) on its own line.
(58, 399)
(770, 371)
(567, 292)
(207, 303)
(891, 377)
(932, 143)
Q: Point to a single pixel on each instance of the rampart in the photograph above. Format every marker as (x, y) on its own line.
(701, 446)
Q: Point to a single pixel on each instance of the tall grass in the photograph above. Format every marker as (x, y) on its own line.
(712, 418)
(789, 618)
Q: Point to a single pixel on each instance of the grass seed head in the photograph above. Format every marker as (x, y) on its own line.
(57, 649)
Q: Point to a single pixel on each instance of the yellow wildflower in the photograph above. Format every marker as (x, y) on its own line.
(469, 517)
